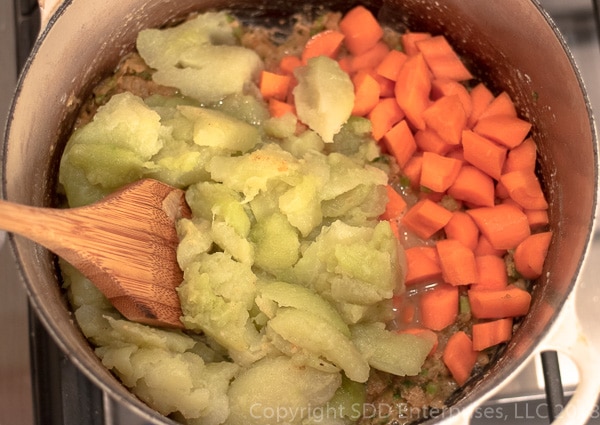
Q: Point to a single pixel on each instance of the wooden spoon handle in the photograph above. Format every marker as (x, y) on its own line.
(45, 226)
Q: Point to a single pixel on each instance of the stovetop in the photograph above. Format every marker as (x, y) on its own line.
(38, 385)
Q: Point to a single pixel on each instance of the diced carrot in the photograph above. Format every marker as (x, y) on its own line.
(510, 201)
(500, 105)
(409, 40)
(481, 97)
(439, 307)
(457, 262)
(523, 157)
(412, 170)
(459, 356)
(366, 93)
(400, 143)
(274, 85)
(277, 108)
(386, 86)
(324, 43)
(369, 59)
(412, 88)
(447, 118)
(438, 172)
(422, 265)
(538, 219)
(289, 63)
(391, 64)
(473, 186)
(502, 191)
(457, 153)
(427, 334)
(461, 227)
(504, 225)
(491, 270)
(500, 303)
(425, 218)
(361, 29)
(486, 155)
(530, 255)
(484, 247)
(525, 189)
(442, 59)
(384, 116)
(445, 87)
(428, 141)
(506, 130)
(395, 206)
(488, 334)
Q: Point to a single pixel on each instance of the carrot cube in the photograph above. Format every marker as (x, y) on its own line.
(446, 116)
(530, 255)
(361, 30)
(457, 262)
(410, 39)
(473, 186)
(503, 129)
(461, 227)
(481, 97)
(366, 93)
(486, 155)
(324, 43)
(369, 59)
(525, 189)
(491, 270)
(523, 157)
(438, 172)
(459, 356)
(426, 218)
(428, 141)
(390, 65)
(412, 88)
(505, 225)
(384, 116)
(400, 143)
(395, 205)
(500, 303)
(274, 85)
(488, 334)
(422, 265)
(442, 59)
(439, 307)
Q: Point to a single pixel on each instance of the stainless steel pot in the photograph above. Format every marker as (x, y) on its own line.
(512, 44)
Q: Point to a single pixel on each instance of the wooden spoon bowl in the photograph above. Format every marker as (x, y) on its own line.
(126, 244)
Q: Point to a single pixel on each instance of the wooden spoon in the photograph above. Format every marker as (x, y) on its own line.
(125, 244)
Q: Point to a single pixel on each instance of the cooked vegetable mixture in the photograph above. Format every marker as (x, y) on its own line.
(366, 219)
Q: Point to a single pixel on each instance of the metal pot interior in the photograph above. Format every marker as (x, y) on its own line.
(510, 45)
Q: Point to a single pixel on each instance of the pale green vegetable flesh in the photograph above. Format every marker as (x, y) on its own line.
(278, 391)
(288, 270)
(324, 96)
(397, 353)
(192, 57)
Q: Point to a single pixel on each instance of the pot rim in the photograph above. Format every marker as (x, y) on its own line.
(488, 387)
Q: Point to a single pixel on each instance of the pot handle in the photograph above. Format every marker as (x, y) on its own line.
(572, 336)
